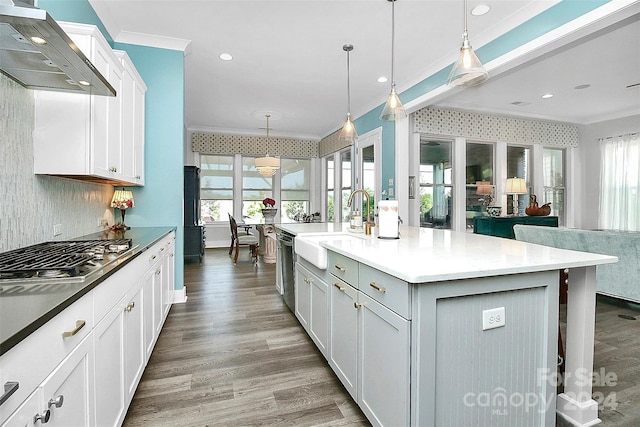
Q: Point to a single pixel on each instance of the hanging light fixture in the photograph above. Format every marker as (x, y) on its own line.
(468, 70)
(348, 132)
(267, 165)
(393, 109)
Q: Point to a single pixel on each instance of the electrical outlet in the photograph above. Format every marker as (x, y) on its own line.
(494, 318)
(391, 189)
(99, 222)
(390, 182)
(57, 229)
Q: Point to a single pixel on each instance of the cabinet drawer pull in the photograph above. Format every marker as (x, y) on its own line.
(357, 305)
(378, 288)
(10, 387)
(161, 249)
(129, 307)
(79, 325)
(339, 267)
(56, 401)
(43, 418)
(158, 272)
(337, 285)
(152, 258)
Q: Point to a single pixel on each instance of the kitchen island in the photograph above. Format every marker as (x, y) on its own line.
(480, 316)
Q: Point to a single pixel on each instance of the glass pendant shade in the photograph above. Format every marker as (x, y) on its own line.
(348, 132)
(468, 70)
(393, 109)
(267, 165)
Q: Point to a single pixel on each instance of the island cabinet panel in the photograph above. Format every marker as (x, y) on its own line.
(312, 305)
(370, 342)
(384, 364)
(465, 374)
(343, 335)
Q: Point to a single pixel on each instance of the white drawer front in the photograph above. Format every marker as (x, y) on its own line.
(35, 357)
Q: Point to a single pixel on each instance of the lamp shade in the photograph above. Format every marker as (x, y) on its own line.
(122, 199)
(267, 166)
(516, 186)
(483, 187)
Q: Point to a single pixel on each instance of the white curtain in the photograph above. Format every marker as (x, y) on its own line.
(620, 183)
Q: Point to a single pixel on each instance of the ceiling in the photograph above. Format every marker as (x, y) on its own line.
(288, 60)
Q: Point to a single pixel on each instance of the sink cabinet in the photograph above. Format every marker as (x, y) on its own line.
(369, 342)
(312, 305)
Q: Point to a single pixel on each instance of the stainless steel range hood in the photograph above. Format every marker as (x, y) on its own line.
(38, 54)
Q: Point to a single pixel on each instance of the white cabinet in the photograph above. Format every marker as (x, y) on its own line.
(93, 137)
(312, 306)
(109, 362)
(168, 271)
(68, 391)
(90, 373)
(133, 104)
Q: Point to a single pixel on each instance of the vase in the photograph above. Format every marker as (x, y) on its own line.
(494, 210)
(269, 215)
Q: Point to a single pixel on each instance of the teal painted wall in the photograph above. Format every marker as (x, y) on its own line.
(159, 202)
(554, 17)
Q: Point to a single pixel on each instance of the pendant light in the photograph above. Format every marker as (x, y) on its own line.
(267, 165)
(393, 109)
(468, 70)
(348, 132)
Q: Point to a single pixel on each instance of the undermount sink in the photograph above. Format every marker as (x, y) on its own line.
(309, 248)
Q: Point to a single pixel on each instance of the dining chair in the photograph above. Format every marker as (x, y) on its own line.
(242, 240)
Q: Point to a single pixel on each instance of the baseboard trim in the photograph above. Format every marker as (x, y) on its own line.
(180, 295)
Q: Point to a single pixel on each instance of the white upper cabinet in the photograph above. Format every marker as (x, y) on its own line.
(93, 137)
(133, 94)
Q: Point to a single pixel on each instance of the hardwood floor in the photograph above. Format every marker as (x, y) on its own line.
(234, 355)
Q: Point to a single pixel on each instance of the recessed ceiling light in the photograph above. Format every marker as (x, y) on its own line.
(582, 87)
(480, 9)
(547, 96)
(225, 56)
(38, 40)
(382, 79)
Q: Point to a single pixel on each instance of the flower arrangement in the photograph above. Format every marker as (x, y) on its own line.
(269, 203)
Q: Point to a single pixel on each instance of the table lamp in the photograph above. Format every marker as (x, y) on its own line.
(123, 200)
(516, 186)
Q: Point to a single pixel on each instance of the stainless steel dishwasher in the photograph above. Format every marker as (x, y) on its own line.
(287, 261)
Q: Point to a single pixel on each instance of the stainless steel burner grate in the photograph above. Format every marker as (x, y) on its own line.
(56, 259)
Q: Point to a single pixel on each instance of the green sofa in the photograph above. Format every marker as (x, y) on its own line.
(619, 280)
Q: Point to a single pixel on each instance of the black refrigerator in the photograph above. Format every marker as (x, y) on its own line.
(194, 236)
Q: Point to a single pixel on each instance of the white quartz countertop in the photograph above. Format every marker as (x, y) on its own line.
(434, 255)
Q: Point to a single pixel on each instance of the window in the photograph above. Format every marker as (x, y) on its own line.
(554, 185)
(294, 189)
(436, 186)
(480, 189)
(518, 166)
(345, 163)
(216, 187)
(368, 179)
(329, 173)
(620, 183)
(255, 188)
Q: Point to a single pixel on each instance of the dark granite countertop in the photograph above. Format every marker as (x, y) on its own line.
(22, 314)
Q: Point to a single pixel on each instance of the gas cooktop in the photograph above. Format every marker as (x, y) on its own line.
(72, 260)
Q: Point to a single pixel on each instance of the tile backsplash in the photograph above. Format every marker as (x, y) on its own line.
(31, 204)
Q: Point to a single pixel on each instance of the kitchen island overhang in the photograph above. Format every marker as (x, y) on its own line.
(440, 262)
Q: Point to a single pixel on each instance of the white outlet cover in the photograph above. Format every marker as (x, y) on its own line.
(493, 318)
